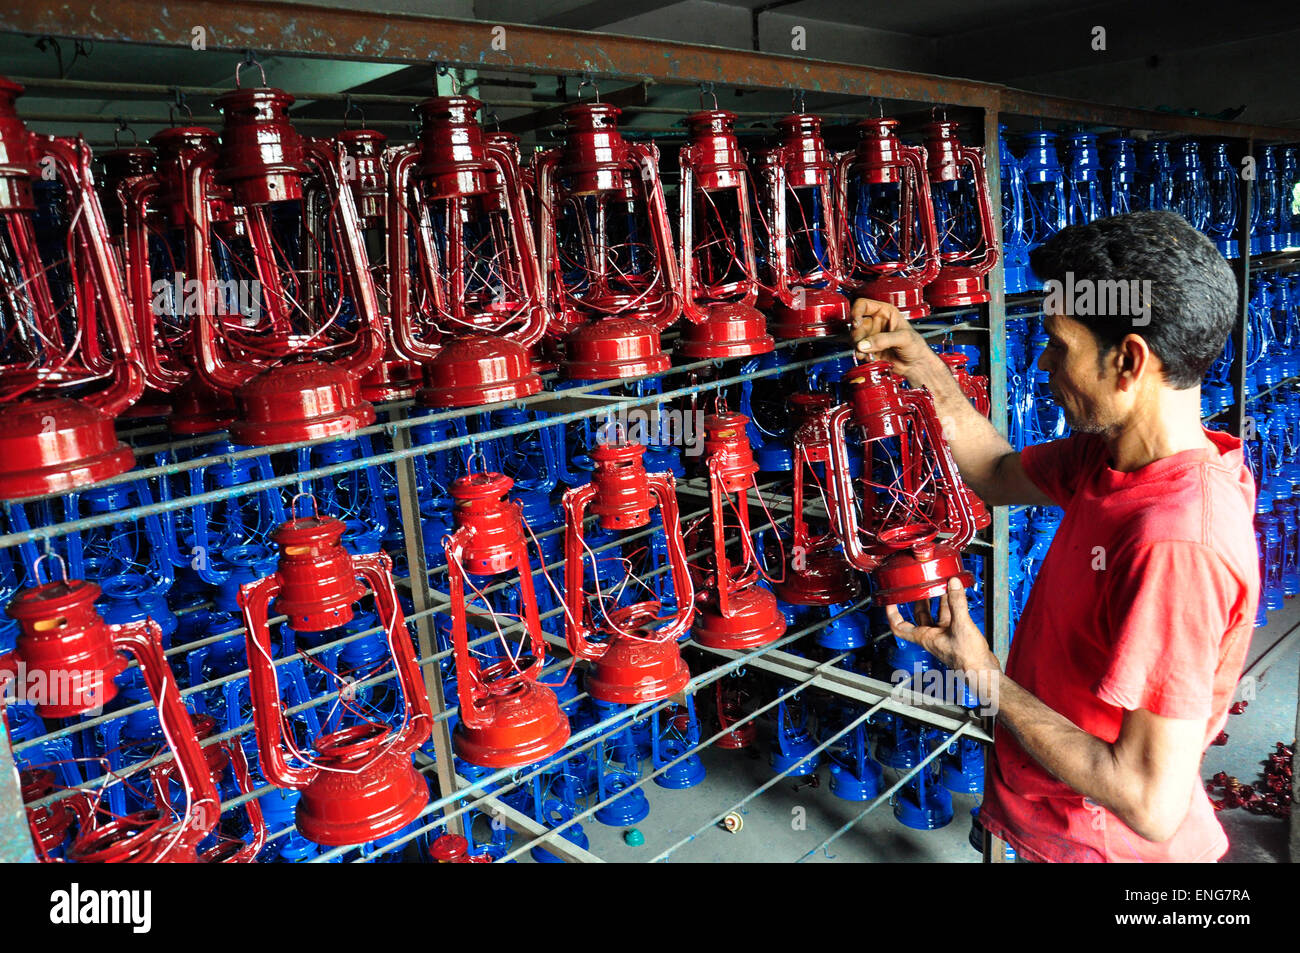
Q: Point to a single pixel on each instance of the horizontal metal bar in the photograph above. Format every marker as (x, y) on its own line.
(862, 688)
(382, 36)
(886, 795)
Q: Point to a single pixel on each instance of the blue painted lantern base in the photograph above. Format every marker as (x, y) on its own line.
(682, 775)
(796, 764)
(963, 773)
(626, 809)
(931, 812)
(574, 835)
(845, 785)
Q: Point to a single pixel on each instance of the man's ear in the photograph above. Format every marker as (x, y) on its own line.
(1133, 360)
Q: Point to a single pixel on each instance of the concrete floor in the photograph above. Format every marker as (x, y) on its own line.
(771, 834)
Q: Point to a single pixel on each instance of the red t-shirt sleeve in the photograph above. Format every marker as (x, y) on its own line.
(1167, 612)
(1057, 466)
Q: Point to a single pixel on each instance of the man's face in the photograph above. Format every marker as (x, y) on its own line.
(1083, 387)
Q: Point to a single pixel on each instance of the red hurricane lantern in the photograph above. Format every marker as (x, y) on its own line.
(69, 361)
(968, 242)
(926, 497)
(154, 209)
(633, 650)
(798, 198)
(360, 785)
(294, 347)
(67, 640)
(733, 611)
(471, 304)
(606, 248)
(718, 268)
(365, 169)
(888, 235)
(816, 573)
(507, 719)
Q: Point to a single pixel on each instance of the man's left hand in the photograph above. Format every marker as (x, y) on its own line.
(955, 640)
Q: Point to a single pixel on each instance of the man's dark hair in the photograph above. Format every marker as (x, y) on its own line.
(1193, 292)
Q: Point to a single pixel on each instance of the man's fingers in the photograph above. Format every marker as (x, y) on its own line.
(945, 612)
(897, 624)
(957, 599)
(921, 612)
(882, 341)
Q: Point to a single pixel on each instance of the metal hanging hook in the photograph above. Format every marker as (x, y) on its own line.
(707, 89)
(798, 100)
(589, 80)
(178, 102)
(249, 60)
(349, 107)
(124, 126)
(442, 69)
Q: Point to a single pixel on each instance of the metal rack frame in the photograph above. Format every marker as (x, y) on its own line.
(363, 35)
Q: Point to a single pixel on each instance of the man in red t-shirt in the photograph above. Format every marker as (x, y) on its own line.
(1129, 649)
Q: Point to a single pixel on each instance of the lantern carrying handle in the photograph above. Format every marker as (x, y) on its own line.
(178, 103)
(124, 126)
(588, 80)
(249, 60)
(798, 97)
(55, 557)
(293, 504)
(707, 89)
(349, 107)
(442, 69)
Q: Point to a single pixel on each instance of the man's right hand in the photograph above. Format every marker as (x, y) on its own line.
(881, 333)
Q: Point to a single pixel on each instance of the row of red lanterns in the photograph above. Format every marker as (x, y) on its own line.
(274, 284)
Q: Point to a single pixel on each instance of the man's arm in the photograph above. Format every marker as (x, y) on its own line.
(1145, 778)
(987, 462)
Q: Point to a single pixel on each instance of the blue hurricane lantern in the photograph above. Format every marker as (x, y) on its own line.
(771, 436)
(1224, 185)
(847, 630)
(133, 561)
(923, 803)
(961, 766)
(1283, 327)
(1119, 175)
(618, 761)
(1043, 523)
(1155, 176)
(230, 540)
(1289, 526)
(1270, 220)
(1216, 390)
(676, 732)
(55, 754)
(855, 775)
(1018, 393)
(1083, 188)
(1290, 475)
(1191, 188)
(793, 743)
(1289, 217)
(1015, 214)
(556, 791)
(1048, 210)
(1261, 372)
(1044, 417)
(1273, 591)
